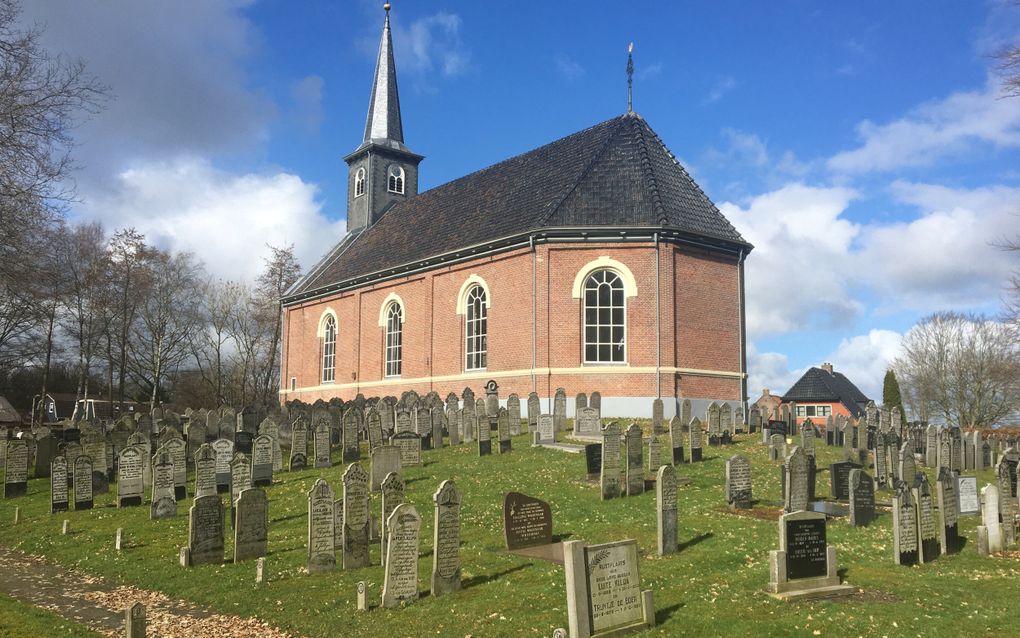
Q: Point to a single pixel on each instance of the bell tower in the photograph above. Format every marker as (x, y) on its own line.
(382, 171)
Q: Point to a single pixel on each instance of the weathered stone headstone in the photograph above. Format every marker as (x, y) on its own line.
(928, 533)
(205, 471)
(392, 488)
(385, 459)
(612, 474)
(373, 420)
(298, 446)
(338, 524)
(654, 454)
(968, 499)
(990, 533)
(351, 424)
(262, 461)
(931, 446)
(666, 509)
(805, 564)
(658, 422)
(949, 513)
(45, 450)
(603, 583)
(205, 530)
(134, 621)
(546, 429)
(468, 424)
(534, 409)
(839, 479)
(130, 485)
(164, 494)
(446, 539)
(321, 532)
(224, 449)
(503, 431)
(83, 476)
(906, 543)
(320, 445)
(560, 409)
(409, 446)
(527, 521)
(795, 482)
(726, 418)
(635, 460)
(356, 517)
(907, 467)
(400, 584)
(1006, 481)
(586, 422)
(694, 437)
(513, 409)
(676, 440)
(593, 460)
(251, 528)
(177, 449)
(738, 482)
(862, 498)
(58, 485)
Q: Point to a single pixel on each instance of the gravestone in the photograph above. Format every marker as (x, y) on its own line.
(351, 423)
(356, 517)
(527, 521)
(134, 621)
(298, 446)
(534, 409)
(503, 431)
(262, 461)
(839, 479)
(694, 437)
(949, 511)
(862, 498)
(400, 582)
(990, 532)
(634, 453)
(928, 533)
(546, 429)
(83, 477)
(205, 471)
(666, 509)
(58, 485)
(205, 530)
(130, 486)
(611, 476)
(409, 446)
(224, 449)
(374, 421)
(385, 459)
(392, 488)
(45, 450)
(468, 424)
(907, 467)
(805, 565)
(906, 543)
(580, 401)
(240, 480)
(968, 498)
(795, 481)
(726, 418)
(654, 454)
(436, 414)
(164, 493)
(738, 482)
(338, 524)
(196, 438)
(251, 528)
(595, 400)
(320, 445)
(931, 446)
(177, 450)
(243, 443)
(321, 551)
(658, 423)
(404, 420)
(586, 422)
(446, 539)
(16, 470)
(676, 440)
(593, 460)
(560, 409)
(513, 408)
(454, 427)
(1006, 481)
(603, 583)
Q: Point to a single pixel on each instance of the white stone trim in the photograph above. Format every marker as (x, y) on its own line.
(320, 331)
(470, 282)
(390, 298)
(605, 263)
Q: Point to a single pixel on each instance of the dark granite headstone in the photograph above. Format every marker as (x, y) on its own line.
(243, 442)
(805, 548)
(527, 521)
(839, 480)
(593, 459)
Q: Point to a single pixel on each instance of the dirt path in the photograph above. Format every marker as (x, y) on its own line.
(100, 605)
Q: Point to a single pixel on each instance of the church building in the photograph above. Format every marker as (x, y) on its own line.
(591, 263)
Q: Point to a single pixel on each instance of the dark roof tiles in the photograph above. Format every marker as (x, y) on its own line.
(818, 384)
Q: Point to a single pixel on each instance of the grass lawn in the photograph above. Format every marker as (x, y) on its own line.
(19, 620)
(714, 586)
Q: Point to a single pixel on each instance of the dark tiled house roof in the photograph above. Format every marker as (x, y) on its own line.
(820, 385)
(614, 174)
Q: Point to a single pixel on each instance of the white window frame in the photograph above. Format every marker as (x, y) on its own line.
(329, 332)
(476, 329)
(395, 178)
(359, 182)
(617, 286)
(393, 342)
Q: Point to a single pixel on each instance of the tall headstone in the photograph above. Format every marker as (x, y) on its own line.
(694, 438)
(224, 449)
(374, 421)
(392, 495)
(320, 445)
(298, 446)
(738, 482)
(513, 408)
(534, 409)
(503, 431)
(240, 480)
(676, 440)
(560, 409)
(928, 533)
(321, 552)
(862, 498)
(58, 485)
(400, 583)
(356, 517)
(205, 530)
(990, 534)
(906, 543)
(351, 423)
(130, 486)
(177, 449)
(949, 513)
(262, 461)
(611, 478)
(635, 457)
(468, 424)
(385, 459)
(795, 483)
(205, 471)
(446, 539)
(83, 477)
(931, 449)
(654, 454)
(1006, 482)
(658, 423)
(666, 509)
(164, 497)
(251, 527)
(907, 466)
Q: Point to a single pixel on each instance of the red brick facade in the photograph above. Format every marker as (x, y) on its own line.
(694, 350)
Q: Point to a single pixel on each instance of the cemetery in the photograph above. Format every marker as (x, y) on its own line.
(494, 542)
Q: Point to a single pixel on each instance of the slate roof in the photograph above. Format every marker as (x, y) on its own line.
(820, 385)
(617, 174)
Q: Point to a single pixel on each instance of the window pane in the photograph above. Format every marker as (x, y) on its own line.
(591, 315)
(605, 353)
(591, 353)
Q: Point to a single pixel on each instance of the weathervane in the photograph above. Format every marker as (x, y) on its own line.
(630, 77)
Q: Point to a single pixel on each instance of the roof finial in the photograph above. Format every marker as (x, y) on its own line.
(386, 7)
(630, 77)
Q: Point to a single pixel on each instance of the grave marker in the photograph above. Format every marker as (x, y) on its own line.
(164, 494)
(666, 509)
(738, 482)
(392, 495)
(927, 528)
(527, 521)
(251, 528)
(262, 461)
(58, 485)
(862, 498)
(321, 532)
(83, 476)
(635, 457)
(676, 440)
(320, 445)
(546, 432)
(948, 502)
(611, 472)
(804, 566)
(130, 485)
(356, 517)
(205, 530)
(694, 436)
(16, 468)
(384, 459)
(603, 586)
(906, 544)
(205, 471)
(400, 584)
(446, 539)
(224, 449)
(298, 446)
(409, 446)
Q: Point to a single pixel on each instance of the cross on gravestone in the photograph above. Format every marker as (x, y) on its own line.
(738, 482)
(392, 488)
(205, 530)
(356, 517)
(321, 550)
(611, 475)
(400, 584)
(666, 509)
(446, 539)
(527, 521)
(251, 528)
(634, 454)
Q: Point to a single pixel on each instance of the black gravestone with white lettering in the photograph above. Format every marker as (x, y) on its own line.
(777, 427)
(805, 548)
(593, 460)
(243, 442)
(527, 521)
(861, 490)
(839, 480)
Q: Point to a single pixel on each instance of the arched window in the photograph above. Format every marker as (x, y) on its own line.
(329, 350)
(605, 323)
(477, 329)
(359, 182)
(394, 330)
(395, 179)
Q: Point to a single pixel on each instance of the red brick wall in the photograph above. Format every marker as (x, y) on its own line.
(699, 327)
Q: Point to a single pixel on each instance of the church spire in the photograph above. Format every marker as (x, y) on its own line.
(384, 106)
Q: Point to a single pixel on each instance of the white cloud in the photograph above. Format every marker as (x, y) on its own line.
(225, 219)
(569, 68)
(768, 370)
(432, 42)
(721, 87)
(934, 131)
(797, 274)
(306, 97)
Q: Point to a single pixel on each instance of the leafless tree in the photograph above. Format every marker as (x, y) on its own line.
(129, 255)
(963, 369)
(282, 270)
(213, 345)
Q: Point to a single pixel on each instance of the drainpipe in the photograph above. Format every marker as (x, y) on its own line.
(534, 312)
(743, 333)
(658, 319)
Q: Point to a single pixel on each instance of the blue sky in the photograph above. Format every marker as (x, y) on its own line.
(864, 148)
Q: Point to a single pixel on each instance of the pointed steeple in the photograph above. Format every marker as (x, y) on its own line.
(384, 106)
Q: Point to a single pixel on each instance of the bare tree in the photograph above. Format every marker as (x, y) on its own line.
(963, 369)
(282, 270)
(213, 345)
(128, 282)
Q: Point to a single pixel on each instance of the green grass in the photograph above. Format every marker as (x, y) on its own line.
(20, 620)
(714, 586)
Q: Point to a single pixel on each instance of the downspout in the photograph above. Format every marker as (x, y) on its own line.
(658, 319)
(534, 312)
(743, 333)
